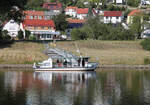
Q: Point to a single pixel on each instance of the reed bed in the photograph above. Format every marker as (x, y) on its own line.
(22, 53)
(108, 52)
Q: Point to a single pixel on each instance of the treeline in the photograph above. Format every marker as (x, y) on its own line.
(94, 29)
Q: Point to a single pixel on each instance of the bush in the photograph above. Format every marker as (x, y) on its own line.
(4, 35)
(32, 37)
(146, 61)
(20, 35)
(27, 34)
(146, 44)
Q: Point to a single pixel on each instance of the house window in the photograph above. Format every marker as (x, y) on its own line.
(42, 36)
(42, 27)
(45, 17)
(48, 36)
(117, 17)
(31, 17)
(49, 28)
(40, 17)
(35, 17)
(35, 27)
(106, 17)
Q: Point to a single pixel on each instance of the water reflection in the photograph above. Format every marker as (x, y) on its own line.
(63, 86)
(75, 88)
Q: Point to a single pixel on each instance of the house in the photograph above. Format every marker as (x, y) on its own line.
(120, 2)
(53, 7)
(145, 2)
(33, 15)
(82, 13)
(42, 29)
(74, 23)
(46, 15)
(13, 28)
(113, 17)
(131, 15)
(117, 2)
(71, 11)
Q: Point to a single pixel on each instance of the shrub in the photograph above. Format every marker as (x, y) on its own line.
(32, 37)
(27, 34)
(146, 61)
(146, 44)
(4, 35)
(20, 35)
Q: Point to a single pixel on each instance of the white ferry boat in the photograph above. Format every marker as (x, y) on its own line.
(61, 60)
(81, 64)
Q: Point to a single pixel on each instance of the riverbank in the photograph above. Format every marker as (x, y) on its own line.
(23, 67)
(104, 52)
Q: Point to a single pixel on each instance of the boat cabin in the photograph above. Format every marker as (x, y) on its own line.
(65, 62)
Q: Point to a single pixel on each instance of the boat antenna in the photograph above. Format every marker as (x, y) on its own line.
(78, 50)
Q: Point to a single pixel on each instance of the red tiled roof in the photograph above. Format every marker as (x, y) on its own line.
(70, 7)
(32, 22)
(75, 20)
(112, 13)
(82, 10)
(52, 6)
(134, 12)
(33, 12)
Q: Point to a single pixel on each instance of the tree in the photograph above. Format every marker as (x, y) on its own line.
(133, 3)
(34, 5)
(6, 6)
(4, 35)
(136, 26)
(60, 22)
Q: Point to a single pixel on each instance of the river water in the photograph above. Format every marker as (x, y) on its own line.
(118, 87)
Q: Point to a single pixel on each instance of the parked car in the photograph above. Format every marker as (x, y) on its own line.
(145, 33)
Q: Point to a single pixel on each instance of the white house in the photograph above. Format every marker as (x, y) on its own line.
(82, 13)
(71, 11)
(113, 17)
(13, 27)
(119, 1)
(145, 2)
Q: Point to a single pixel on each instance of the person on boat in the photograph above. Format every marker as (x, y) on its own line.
(65, 63)
(83, 62)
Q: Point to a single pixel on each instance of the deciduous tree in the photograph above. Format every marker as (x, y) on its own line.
(60, 22)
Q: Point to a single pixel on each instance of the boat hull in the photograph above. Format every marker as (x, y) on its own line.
(64, 69)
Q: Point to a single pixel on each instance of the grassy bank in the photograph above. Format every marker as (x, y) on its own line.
(21, 53)
(105, 52)
(109, 52)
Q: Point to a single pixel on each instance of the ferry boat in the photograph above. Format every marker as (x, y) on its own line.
(81, 64)
(61, 60)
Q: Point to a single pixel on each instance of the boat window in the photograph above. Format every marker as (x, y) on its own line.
(46, 64)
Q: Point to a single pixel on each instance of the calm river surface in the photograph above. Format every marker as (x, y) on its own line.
(75, 88)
